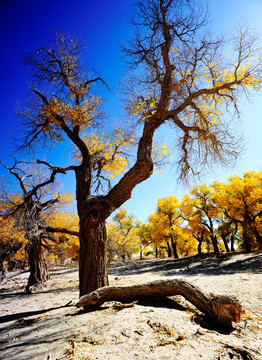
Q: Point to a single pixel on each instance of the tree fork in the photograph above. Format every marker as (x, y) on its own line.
(221, 311)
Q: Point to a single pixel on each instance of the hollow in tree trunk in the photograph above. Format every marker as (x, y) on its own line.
(92, 254)
(37, 264)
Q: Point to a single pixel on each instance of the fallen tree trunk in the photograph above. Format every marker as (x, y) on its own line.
(221, 311)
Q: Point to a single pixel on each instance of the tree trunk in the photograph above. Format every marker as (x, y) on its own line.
(199, 246)
(214, 243)
(156, 250)
(2, 268)
(258, 238)
(220, 310)
(110, 256)
(224, 238)
(92, 254)
(37, 265)
(168, 249)
(246, 238)
(232, 239)
(174, 248)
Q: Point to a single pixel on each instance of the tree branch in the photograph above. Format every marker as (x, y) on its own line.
(220, 310)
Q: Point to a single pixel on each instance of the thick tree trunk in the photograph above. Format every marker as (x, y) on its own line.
(246, 238)
(92, 255)
(220, 310)
(174, 248)
(168, 249)
(214, 244)
(258, 238)
(37, 265)
(199, 247)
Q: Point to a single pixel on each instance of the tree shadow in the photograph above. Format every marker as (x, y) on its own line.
(204, 264)
(19, 317)
(161, 302)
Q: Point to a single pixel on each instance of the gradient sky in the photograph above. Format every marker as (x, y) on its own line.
(103, 26)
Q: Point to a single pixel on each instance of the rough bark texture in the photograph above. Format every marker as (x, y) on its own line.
(37, 264)
(221, 311)
(92, 256)
(92, 212)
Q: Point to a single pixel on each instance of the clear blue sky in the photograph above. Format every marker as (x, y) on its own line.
(103, 25)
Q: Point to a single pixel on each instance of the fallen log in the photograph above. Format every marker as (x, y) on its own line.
(220, 310)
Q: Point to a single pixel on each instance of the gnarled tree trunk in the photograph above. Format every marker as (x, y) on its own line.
(221, 311)
(37, 264)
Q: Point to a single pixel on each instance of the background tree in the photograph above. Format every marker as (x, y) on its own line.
(29, 211)
(145, 240)
(169, 220)
(202, 213)
(240, 199)
(183, 78)
(123, 237)
(66, 246)
(159, 241)
(193, 220)
(11, 240)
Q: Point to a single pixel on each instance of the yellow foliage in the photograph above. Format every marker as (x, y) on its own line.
(110, 151)
(58, 111)
(67, 246)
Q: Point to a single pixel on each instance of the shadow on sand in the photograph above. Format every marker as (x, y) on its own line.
(204, 264)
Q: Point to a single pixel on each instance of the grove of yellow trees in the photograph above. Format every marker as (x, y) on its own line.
(211, 218)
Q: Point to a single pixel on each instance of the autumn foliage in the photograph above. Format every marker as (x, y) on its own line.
(219, 217)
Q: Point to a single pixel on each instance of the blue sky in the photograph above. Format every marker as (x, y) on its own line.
(103, 26)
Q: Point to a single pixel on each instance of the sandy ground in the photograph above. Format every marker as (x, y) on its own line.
(43, 326)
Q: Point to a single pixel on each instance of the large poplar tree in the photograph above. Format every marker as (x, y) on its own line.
(181, 76)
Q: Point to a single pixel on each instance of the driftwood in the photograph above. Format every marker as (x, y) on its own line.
(221, 311)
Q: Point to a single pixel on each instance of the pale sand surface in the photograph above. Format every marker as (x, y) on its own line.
(41, 326)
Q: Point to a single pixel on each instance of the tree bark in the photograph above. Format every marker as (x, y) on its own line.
(258, 238)
(224, 238)
(221, 311)
(168, 249)
(156, 251)
(246, 237)
(174, 248)
(199, 247)
(37, 265)
(214, 243)
(92, 254)
(232, 239)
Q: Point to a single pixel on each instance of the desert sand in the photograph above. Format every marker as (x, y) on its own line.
(47, 325)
